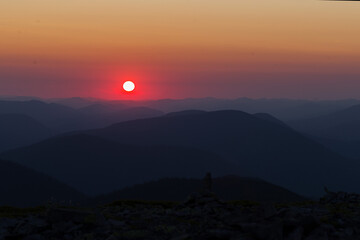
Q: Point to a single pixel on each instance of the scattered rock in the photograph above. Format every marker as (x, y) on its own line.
(202, 216)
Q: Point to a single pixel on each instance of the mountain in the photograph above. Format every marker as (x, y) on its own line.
(101, 108)
(227, 188)
(260, 147)
(95, 166)
(283, 109)
(268, 117)
(339, 131)
(349, 149)
(19, 130)
(185, 112)
(51, 115)
(23, 187)
(341, 125)
(102, 115)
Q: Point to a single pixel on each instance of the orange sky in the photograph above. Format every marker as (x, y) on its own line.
(174, 48)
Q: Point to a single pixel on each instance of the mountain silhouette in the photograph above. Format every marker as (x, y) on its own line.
(187, 144)
(260, 147)
(23, 187)
(19, 130)
(349, 149)
(227, 188)
(341, 125)
(94, 165)
(52, 115)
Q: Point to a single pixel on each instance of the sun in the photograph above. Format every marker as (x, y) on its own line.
(129, 86)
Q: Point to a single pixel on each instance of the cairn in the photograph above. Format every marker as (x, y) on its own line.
(205, 195)
(339, 197)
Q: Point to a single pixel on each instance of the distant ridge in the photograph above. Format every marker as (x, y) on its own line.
(186, 112)
(60, 118)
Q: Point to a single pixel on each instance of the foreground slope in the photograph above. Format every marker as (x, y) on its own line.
(21, 186)
(261, 147)
(94, 165)
(229, 187)
(202, 217)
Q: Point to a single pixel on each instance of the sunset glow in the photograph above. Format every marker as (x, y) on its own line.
(234, 48)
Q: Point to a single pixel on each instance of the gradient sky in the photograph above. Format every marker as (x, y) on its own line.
(180, 48)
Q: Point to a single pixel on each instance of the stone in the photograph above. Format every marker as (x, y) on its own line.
(267, 210)
(318, 234)
(63, 215)
(34, 237)
(272, 231)
(296, 234)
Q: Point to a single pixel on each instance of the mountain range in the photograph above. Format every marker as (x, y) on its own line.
(97, 146)
(284, 109)
(27, 122)
(187, 145)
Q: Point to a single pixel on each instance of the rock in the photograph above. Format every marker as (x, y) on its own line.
(112, 237)
(65, 215)
(24, 228)
(272, 231)
(64, 227)
(182, 237)
(349, 231)
(318, 234)
(339, 197)
(117, 224)
(264, 231)
(203, 216)
(267, 210)
(295, 234)
(34, 237)
(221, 233)
(309, 223)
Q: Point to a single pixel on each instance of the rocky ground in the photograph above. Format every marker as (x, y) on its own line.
(202, 216)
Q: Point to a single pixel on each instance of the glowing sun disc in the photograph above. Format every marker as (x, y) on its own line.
(129, 86)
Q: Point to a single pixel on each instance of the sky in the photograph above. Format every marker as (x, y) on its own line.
(307, 49)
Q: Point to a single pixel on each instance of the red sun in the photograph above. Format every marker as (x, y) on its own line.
(129, 86)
